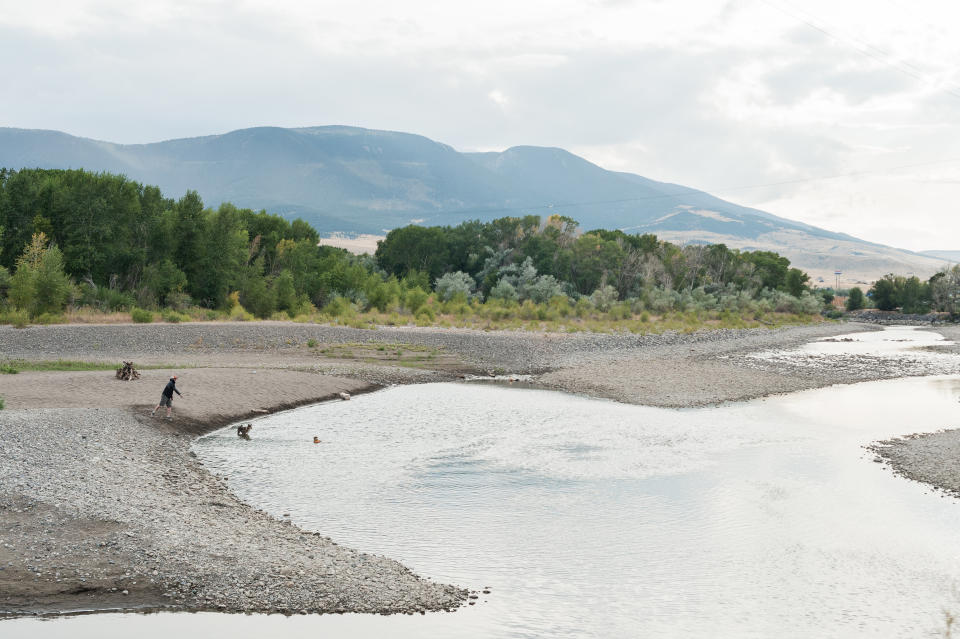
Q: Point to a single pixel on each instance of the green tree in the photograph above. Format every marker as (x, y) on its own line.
(884, 293)
(796, 282)
(285, 293)
(855, 299)
(40, 284)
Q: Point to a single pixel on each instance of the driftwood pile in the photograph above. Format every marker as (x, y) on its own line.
(127, 372)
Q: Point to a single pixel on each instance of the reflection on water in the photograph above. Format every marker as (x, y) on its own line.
(591, 518)
(897, 350)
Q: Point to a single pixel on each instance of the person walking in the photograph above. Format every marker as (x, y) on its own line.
(166, 399)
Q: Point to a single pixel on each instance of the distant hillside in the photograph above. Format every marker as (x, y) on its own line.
(353, 180)
(950, 256)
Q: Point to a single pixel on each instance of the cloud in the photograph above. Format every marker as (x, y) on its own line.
(705, 94)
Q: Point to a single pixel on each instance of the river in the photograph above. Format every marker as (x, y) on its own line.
(585, 517)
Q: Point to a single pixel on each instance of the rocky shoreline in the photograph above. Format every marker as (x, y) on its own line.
(104, 508)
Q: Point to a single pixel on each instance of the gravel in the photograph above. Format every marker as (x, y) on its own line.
(149, 527)
(103, 508)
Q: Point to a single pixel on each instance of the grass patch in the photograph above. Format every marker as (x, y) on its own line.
(14, 366)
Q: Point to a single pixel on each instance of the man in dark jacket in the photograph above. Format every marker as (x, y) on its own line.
(166, 399)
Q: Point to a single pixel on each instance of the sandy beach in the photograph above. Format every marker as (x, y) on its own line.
(103, 507)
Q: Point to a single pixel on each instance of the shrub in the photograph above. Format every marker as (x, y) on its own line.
(561, 305)
(661, 300)
(603, 298)
(240, 314)
(414, 299)
(339, 307)
(449, 285)
(105, 299)
(583, 307)
(2, 405)
(174, 317)
(141, 316)
(504, 290)
(620, 311)
(178, 301)
(17, 319)
(380, 295)
(544, 288)
(426, 313)
(529, 310)
(50, 318)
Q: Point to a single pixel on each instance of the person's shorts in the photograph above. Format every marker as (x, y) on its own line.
(166, 401)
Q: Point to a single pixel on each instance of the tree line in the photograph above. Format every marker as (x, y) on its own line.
(940, 293)
(122, 244)
(73, 237)
(517, 257)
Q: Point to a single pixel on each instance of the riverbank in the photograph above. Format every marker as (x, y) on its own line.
(929, 457)
(103, 507)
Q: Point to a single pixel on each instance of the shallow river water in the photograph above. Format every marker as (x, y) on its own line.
(591, 518)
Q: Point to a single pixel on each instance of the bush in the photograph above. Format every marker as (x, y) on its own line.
(414, 299)
(174, 317)
(339, 307)
(240, 314)
(141, 316)
(17, 319)
(426, 313)
(560, 304)
(105, 299)
(50, 318)
(2, 405)
(583, 307)
(620, 311)
(504, 290)
(381, 295)
(603, 298)
(661, 300)
(543, 289)
(450, 285)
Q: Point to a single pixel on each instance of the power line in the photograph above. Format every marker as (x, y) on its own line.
(884, 57)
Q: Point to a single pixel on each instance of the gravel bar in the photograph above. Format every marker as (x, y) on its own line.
(104, 508)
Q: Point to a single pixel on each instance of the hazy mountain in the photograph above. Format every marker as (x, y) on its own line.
(352, 180)
(950, 256)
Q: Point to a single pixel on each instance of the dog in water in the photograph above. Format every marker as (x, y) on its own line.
(243, 430)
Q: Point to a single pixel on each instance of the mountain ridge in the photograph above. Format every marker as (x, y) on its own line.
(357, 180)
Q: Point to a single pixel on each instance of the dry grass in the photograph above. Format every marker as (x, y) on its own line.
(491, 317)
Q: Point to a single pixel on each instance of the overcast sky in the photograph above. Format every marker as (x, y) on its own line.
(721, 96)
